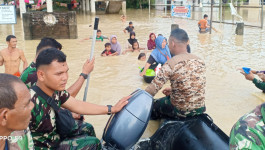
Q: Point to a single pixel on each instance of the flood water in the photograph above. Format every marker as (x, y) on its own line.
(228, 94)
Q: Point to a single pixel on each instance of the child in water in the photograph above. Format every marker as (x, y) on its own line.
(99, 37)
(131, 40)
(108, 51)
(142, 57)
(123, 18)
(135, 47)
(130, 28)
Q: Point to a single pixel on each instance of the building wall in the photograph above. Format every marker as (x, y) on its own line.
(59, 25)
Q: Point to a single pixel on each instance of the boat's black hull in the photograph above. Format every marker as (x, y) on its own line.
(196, 133)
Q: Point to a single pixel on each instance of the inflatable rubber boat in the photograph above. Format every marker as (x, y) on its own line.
(124, 129)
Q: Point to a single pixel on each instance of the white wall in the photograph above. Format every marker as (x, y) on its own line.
(160, 2)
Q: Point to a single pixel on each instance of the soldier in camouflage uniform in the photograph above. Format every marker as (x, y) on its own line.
(248, 133)
(186, 73)
(29, 75)
(258, 83)
(249, 130)
(52, 71)
(43, 127)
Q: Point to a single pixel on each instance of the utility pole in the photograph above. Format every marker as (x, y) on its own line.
(211, 17)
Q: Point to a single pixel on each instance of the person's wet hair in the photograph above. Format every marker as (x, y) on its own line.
(133, 44)
(141, 55)
(9, 37)
(130, 22)
(107, 44)
(8, 96)
(205, 16)
(49, 55)
(132, 33)
(180, 35)
(98, 31)
(188, 48)
(48, 43)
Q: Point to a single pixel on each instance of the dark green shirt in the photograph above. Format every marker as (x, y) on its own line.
(42, 125)
(248, 133)
(29, 75)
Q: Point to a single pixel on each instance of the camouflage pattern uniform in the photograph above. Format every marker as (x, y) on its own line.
(43, 127)
(186, 73)
(29, 75)
(249, 131)
(259, 84)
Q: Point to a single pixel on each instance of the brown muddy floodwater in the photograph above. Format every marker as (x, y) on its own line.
(228, 94)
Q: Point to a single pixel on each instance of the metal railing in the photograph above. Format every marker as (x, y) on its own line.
(221, 5)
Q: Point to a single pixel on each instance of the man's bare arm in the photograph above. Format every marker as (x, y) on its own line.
(1, 59)
(87, 68)
(23, 58)
(86, 108)
(75, 88)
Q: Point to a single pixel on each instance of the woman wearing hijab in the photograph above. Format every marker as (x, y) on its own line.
(115, 45)
(151, 44)
(159, 55)
(131, 40)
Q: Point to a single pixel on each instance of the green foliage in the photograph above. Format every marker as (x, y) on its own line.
(138, 3)
(63, 1)
(59, 8)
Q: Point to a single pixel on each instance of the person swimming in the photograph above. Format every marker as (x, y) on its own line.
(203, 24)
(134, 48)
(108, 51)
(123, 18)
(99, 37)
(159, 55)
(130, 28)
(151, 44)
(132, 39)
(115, 45)
(142, 57)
